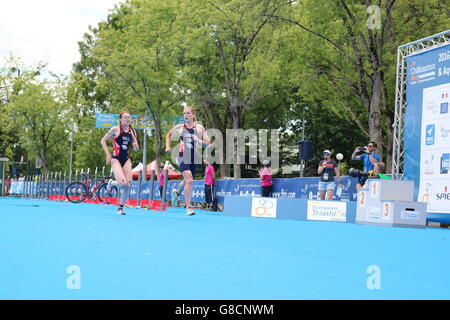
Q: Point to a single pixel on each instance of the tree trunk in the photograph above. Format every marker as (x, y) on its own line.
(236, 127)
(224, 166)
(389, 146)
(38, 163)
(45, 158)
(159, 143)
(375, 130)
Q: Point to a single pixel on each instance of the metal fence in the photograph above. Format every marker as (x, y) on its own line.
(52, 185)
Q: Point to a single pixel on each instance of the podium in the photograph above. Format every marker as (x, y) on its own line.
(390, 203)
(292, 209)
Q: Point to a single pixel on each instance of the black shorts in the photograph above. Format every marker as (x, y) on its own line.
(190, 167)
(266, 191)
(122, 160)
(187, 162)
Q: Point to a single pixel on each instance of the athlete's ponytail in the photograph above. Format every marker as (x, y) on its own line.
(134, 133)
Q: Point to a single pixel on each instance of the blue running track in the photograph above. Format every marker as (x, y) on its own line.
(167, 255)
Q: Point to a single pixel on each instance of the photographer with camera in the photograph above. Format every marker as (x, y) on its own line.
(328, 168)
(369, 157)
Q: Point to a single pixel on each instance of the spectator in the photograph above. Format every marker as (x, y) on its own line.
(210, 197)
(369, 157)
(8, 184)
(378, 172)
(161, 181)
(266, 179)
(327, 169)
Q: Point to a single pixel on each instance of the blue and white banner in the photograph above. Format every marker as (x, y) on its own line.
(427, 128)
(300, 188)
(109, 120)
(17, 187)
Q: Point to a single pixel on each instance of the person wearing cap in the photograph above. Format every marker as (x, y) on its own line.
(161, 180)
(266, 179)
(328, 168)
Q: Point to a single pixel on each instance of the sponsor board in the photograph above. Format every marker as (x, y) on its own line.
(327, 211)
(264, 207)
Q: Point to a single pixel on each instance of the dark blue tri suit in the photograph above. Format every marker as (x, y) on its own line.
(122, 146)
(187, 157)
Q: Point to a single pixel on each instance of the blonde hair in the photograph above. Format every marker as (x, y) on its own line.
(192, 110)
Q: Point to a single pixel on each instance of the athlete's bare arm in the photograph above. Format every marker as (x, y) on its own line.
(111, 134)
(169, 136)
(202, 135)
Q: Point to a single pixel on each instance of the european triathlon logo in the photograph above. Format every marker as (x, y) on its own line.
(429, 134)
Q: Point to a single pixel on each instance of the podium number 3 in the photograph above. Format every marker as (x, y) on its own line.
(386, 209)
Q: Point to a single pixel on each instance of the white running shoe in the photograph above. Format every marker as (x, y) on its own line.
(190, 212)
(120, 211)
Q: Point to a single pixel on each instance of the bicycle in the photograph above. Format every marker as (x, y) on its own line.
(77, 192)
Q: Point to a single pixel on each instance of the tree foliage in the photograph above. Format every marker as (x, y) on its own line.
(242, 64)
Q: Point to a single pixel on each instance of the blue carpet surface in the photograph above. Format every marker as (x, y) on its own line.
(167, 255)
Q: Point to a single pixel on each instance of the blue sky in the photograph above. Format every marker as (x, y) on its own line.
(48, 30)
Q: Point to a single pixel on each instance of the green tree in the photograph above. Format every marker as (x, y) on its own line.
(238, 39)
(349, 53)
(140, 59)
(39, 113)
(12, 75)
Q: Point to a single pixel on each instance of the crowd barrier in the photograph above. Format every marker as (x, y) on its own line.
(283, 188)
(291, 188)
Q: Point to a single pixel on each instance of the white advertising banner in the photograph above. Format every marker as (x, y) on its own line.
(264, 207)
(434, 186)
(327, 210)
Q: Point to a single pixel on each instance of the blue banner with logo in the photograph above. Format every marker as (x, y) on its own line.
(301, 188)
(109, 120)
(427, 128)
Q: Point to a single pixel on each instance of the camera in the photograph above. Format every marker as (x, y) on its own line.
(360, 149)
(356, 173)
(361, 175)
